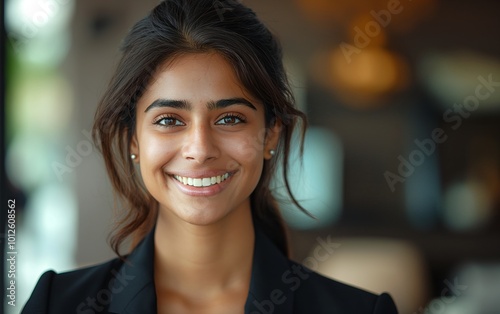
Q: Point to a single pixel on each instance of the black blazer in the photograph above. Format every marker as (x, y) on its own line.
(278, 286)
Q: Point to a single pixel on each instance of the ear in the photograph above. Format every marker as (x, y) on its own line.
(272, 139)
(134, 148)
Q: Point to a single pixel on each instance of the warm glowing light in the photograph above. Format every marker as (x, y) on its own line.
(364, 77)
(344, 12)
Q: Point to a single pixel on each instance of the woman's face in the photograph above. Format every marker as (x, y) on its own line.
(200, 139)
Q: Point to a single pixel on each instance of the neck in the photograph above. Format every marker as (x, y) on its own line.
(211, 258)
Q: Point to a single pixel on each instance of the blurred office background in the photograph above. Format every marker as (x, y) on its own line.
(401, 165)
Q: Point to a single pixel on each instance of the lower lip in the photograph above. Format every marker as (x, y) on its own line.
(202, 191)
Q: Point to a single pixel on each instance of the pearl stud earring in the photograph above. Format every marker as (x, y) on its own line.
(133, 156)
(272, 152)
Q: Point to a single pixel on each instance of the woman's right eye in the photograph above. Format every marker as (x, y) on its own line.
(168, 122)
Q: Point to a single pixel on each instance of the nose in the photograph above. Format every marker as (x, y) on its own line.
(199, 144)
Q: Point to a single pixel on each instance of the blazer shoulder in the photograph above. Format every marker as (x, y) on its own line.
(319, 294)
(87, 277)
(56, 293)
(38, 302)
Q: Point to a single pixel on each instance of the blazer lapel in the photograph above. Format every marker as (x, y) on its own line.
(138, 295)
(268, 290)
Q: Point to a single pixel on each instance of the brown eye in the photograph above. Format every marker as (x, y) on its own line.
(168, 122)
(230, 120)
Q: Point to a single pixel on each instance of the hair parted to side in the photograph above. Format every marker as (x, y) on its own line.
(177, 27)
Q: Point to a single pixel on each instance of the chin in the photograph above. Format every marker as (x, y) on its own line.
(202, 214)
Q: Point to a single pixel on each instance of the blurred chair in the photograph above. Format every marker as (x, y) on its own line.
(381, 265)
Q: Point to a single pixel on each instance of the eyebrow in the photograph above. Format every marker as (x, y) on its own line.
(185, 105)
(177, 104)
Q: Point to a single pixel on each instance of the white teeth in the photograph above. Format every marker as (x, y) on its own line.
(202, 182)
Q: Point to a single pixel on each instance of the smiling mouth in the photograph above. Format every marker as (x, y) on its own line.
(202, 182)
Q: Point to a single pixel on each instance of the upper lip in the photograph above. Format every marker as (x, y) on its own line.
(200, 174)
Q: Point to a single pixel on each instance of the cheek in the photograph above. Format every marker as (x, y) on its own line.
(155, 151)
(245, 149)
(247, 153)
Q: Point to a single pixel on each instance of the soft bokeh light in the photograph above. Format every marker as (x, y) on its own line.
(452, 77)
(316, 183)
(467, 206)
(43, 103)
(37, 30)
(26, 162)
(39, 110)
(341, 13)
(361, 79)
(48, 235)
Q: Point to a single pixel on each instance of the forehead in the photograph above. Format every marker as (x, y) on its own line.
(195, 77)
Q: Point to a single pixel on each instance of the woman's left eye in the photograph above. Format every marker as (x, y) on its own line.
(231, 120)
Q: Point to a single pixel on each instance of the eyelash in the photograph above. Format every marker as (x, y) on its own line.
(158, 120)
(232, 115)
(163, 117)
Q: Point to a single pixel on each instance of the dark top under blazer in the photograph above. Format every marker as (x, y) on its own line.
(278, 286)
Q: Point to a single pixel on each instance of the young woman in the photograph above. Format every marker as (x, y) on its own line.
(192, 126)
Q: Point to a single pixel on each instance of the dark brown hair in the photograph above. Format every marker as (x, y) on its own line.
(176, 27)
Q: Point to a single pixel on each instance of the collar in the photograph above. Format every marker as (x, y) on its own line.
(139, 295)
(268, 290)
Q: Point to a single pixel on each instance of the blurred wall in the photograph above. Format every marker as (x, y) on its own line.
(98, 28)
